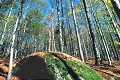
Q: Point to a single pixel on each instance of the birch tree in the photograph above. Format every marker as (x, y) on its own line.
(3, 34)
(113, 22)
(97, 57)
(13, 40)
(59, 25)
(80, 52)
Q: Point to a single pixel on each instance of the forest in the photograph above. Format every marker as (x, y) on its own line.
(59, 39)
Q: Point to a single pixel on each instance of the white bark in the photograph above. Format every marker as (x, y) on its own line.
(114, 24)
(77, 33)
(12, 50)
(53, 37)
(52, 31)
(59, 25)
(13, 42)
(85, 48)
(49, 40)
(3, 34)
(117, 3)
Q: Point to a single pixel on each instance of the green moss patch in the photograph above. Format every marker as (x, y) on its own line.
(64, 69)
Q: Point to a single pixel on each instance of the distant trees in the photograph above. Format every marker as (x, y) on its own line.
(52, 46)
(96, 34)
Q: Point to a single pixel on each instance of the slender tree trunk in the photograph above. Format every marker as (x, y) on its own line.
(102, 37)
(115, 18)
(113, 22)
(49, 40)
(92, 34)
(53, 39)
(12, 49)
(52, 27)
(116, 6)
(13, 41)
(111, 37)
(80, 52)
(3, 34)
(59, 25)
(70, 41)
(116, 54)
(104, 42)
(85, 50)
(63, 27)
(70, 35)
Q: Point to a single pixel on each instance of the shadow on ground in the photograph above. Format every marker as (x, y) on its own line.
(69, 69)
(32, 67)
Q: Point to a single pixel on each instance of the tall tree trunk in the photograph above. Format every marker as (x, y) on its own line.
(113, 22)
(111, 37)
(63, 27)
(70, 35)
(115, 18)
(3, 34)
(13, 40)
(116, 6)
(97, 60)
(102, 37)
(49, 49)
(80, 52)
(116, 54)
(53, 39)
(53, 36)
(85, 50)
(70, 48)
(59, 25)
(103, 41)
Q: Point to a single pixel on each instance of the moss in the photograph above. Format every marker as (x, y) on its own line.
(83, 71)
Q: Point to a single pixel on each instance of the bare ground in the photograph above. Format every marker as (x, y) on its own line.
(107, 72)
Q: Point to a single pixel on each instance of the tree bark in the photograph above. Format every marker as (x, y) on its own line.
(70, 35)
(63, 28)
(80, 52)
(116, 6)
(91, 34)
(116, 31)
(13, 41)
(59, 25)
(3, 34)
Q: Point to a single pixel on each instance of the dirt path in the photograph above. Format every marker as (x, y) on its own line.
(106, 71)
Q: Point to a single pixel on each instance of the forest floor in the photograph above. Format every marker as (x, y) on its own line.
(107, 72)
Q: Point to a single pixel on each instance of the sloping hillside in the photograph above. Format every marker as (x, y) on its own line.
(55, 66)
